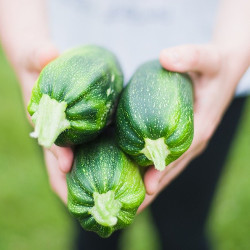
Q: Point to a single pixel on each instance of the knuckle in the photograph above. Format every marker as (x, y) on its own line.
(217, 62)
(217, 58)
(195, 57)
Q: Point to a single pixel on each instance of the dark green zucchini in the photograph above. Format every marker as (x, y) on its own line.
(155, 116)
(75, 95)
(105, 187)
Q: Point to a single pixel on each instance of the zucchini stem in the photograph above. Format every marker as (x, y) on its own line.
(156, 151)
(105, 209)
(50, 121)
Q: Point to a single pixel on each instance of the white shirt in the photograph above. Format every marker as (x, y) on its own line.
(136, 31)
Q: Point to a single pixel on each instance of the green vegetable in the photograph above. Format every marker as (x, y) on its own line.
(75, 95)
(155, 116)
(105, 187)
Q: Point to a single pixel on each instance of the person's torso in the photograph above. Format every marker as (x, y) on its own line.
(136, 31)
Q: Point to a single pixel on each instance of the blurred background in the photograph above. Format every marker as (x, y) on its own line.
(32, 217)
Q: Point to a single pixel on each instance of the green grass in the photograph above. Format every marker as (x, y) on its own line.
(32, 217)
(230, 217)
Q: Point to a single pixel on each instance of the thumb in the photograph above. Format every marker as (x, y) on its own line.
(194, 58)
(40, 56)
(151, 180)
(64, 156)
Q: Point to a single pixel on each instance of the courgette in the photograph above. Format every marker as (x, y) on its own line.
(75, 95)
(105, 187)
(155, 116)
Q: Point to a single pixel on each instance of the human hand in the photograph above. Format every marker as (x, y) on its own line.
(58, 159)
(215, 75)
(25, 38)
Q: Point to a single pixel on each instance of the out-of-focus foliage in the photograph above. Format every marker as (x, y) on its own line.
(31, 216)
(229, 222)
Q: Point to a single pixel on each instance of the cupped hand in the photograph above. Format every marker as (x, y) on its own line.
(215, 78)
(58, 159)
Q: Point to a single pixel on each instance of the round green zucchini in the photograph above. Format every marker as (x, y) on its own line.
(75, 95)
(155, 116)
(105, 187)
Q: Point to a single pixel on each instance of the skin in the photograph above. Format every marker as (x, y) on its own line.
(215, 69)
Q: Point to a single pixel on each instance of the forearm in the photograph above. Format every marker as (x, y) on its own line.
(232, 34)
(23, 26)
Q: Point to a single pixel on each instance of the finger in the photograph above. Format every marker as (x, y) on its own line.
(194, 58)
(56, 177)
(152, 178)
(41, 56)
(147, 201)
(163, 179)
(65, 156)
(179, 166)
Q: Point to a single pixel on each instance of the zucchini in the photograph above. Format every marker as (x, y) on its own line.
(155, 116)
(105, 187)
(75, 95)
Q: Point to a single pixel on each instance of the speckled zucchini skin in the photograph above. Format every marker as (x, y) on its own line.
(156, 103)
(100, 167)
(89, 79)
